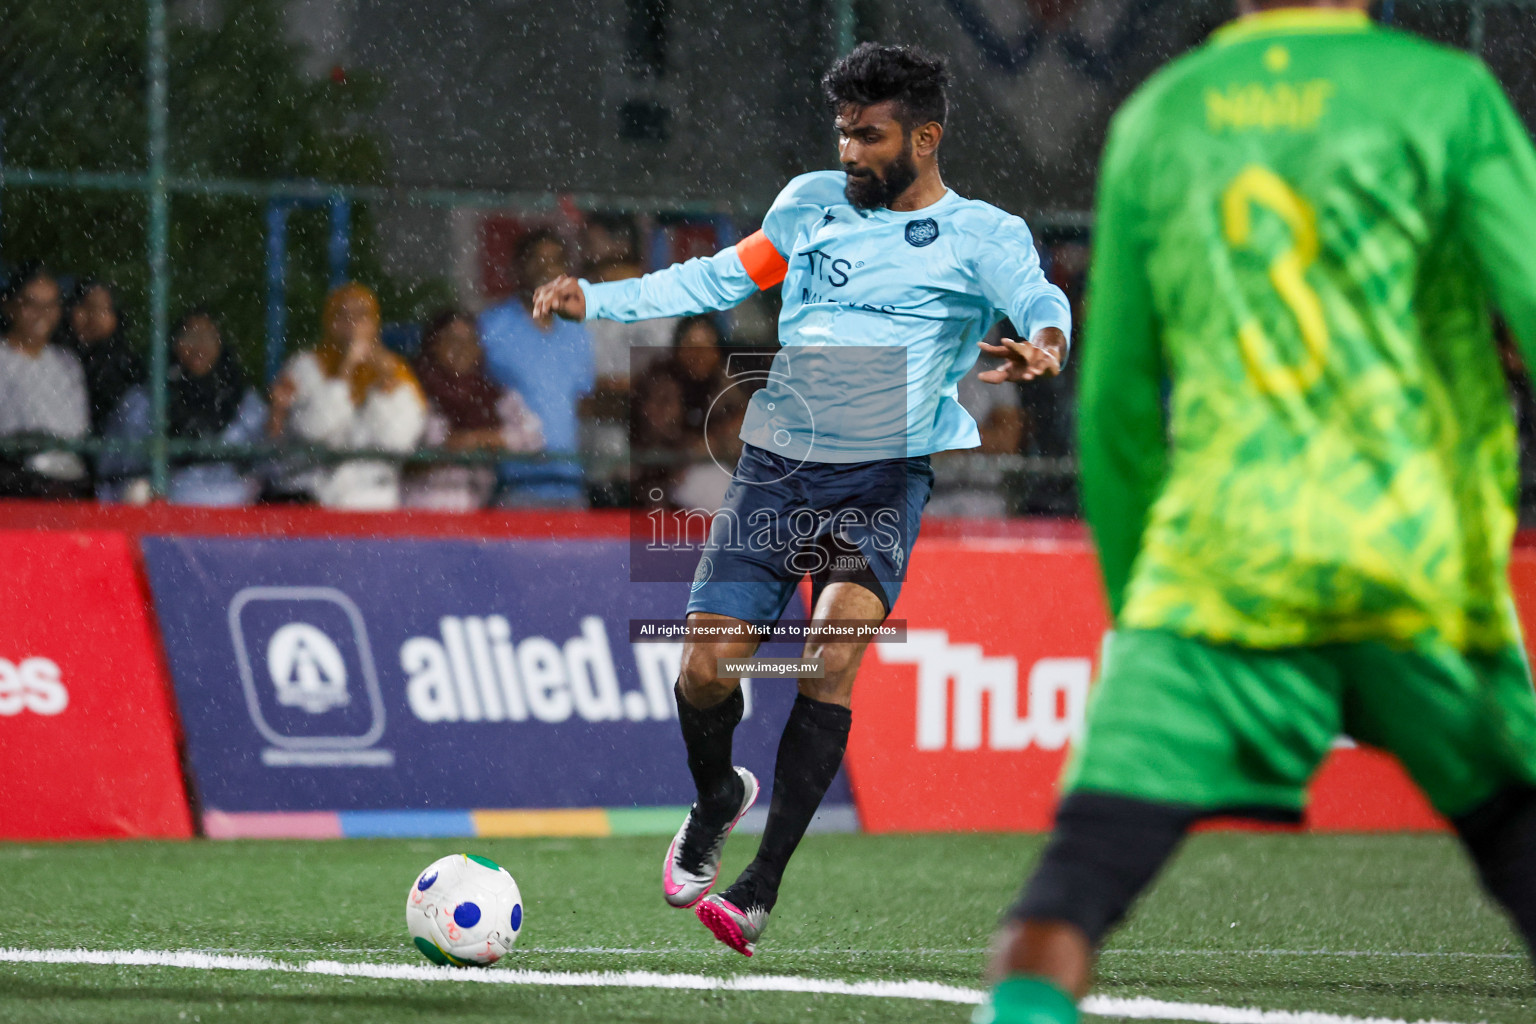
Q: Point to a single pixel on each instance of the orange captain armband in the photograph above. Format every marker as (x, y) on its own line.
(764, 265)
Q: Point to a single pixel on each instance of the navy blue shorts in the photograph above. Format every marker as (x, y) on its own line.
(784, 520)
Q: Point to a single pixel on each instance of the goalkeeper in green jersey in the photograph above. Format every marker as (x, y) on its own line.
(1298, 463)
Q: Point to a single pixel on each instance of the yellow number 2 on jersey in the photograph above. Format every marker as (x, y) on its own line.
(1259, 186)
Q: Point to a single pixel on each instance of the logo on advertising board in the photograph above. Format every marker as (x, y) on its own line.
(953, 679)
(307, 668)
(308, 674)
(973, 714)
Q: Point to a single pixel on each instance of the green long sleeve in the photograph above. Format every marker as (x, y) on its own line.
(1494, 184)
(1121, 430)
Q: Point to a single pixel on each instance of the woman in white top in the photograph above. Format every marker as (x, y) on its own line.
(350, 392)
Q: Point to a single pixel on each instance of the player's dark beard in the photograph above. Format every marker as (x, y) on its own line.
(867, 190)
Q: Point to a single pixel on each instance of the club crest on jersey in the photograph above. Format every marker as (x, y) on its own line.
(922, 232)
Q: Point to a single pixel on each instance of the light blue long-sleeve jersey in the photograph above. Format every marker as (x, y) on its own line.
(882, 312)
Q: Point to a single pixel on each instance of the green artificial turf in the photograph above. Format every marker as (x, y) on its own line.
(1279, 922)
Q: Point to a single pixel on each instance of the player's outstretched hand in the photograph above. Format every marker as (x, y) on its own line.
(1025, 360)
(562, 297)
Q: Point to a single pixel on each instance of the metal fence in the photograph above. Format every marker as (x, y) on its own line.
(255, 188)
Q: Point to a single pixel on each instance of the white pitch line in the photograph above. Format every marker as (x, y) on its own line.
(1103, 1006)
(526, 951)
(1448, 955)
(1157, 1009)
(926, 990)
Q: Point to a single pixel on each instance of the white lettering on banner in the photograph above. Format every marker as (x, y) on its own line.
(594, 684)
(429, 689)
(465, 686)
(549, 692)
(1058, 695)
(474, 671)
(34, 685)
(659, 666)
(478, 636)
(505, 656)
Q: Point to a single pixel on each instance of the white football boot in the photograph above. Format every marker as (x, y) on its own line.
(693, 861)
(740, 929)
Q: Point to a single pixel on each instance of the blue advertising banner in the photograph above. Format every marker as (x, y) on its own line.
(359, 676)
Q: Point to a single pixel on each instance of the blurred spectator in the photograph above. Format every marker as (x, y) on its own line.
(702, 485)
(467, 411)
(42, 391)
(610, 239)
(612, 249)
(1053, 400)
(208, 398)
(549, 363)
(975, 482)
(700, 367)
(659, 438)
(93, 328)
(999, 415)
(670, 409)
(350, 392)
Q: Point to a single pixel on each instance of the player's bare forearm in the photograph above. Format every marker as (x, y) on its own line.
(1040, 356)
(561, 297)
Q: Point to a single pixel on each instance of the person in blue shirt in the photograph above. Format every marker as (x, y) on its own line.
(549, 362)
(889, 282)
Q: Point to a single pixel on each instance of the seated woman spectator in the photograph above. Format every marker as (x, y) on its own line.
(660, 443)
(208, 398)
(93, 330)
(42, 390)
(349, 393)
(699, 365)
(702, 485)
(466, 411)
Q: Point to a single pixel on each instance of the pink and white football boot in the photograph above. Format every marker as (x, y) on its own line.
(737, 927)
(693, 859)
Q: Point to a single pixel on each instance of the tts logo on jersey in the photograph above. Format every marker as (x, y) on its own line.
(826, 268)
(952, 680)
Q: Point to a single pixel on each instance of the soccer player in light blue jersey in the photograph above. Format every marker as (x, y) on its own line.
(890, 281)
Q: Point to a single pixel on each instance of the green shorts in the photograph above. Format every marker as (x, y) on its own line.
(1239, 730)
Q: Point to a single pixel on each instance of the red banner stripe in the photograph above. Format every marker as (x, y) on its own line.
(86, 716)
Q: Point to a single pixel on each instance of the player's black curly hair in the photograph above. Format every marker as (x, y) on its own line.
(874, 74)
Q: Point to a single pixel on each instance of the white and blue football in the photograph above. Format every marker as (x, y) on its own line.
(464, 911)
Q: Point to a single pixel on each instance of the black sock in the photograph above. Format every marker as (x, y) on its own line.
(1104, 852)
(707, 733)
(810, 752)
(1501, 837)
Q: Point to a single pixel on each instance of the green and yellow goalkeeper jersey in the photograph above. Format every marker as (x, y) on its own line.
(1294, 427)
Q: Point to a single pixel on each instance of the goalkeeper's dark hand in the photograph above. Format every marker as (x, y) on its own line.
(561, 297)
